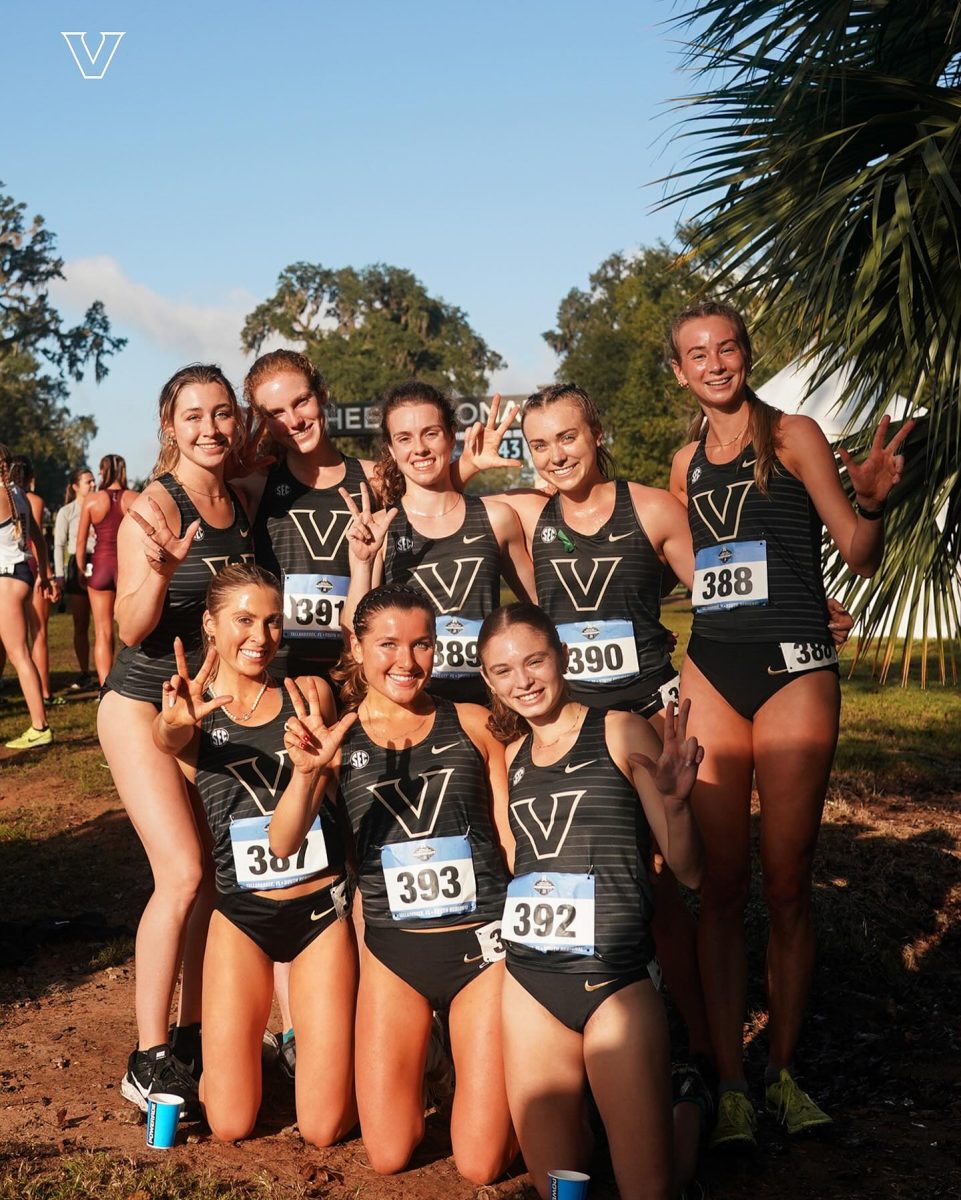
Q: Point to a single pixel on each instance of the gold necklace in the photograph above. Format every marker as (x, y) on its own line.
(560, 737)
(372, 720)
(721, 445)
(197, 491)
(432, 516)
(241, 717)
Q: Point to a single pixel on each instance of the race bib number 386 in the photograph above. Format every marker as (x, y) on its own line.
(729, 576)
(550, 910)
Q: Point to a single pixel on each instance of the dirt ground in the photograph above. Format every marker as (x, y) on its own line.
(881, 1050)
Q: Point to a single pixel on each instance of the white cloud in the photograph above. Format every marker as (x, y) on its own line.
(188, 332)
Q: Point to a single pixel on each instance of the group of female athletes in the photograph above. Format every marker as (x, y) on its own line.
(319, 691)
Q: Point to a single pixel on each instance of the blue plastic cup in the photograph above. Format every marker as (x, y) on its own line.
(568, 1185)
(163, 1112)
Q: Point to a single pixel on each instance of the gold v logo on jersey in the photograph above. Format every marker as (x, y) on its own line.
(724, 521)
(585, 587)
(219, 561)
(448, 595)
(254, 776)
(322, 544)
(547, 836)
(416, 813)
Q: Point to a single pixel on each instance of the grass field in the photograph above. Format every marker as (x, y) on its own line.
(881, 1048)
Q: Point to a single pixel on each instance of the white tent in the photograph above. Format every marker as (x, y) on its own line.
(790, 390)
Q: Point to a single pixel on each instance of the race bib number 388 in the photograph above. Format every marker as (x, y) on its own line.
(550, 910)
(313, 604)
(729, 576)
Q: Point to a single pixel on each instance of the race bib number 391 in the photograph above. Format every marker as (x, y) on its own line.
(429, 877)
(550, 910)
(313, 604)
(729, 576)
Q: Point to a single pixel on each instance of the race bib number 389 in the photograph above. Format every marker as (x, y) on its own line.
(550, 910)
(429, 877)
(729, 576)
(455, 648)
(313, 604)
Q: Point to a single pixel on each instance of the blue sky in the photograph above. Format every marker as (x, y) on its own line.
(500, 151)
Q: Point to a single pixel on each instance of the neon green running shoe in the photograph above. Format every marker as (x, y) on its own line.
(793, 1107)
(736, 1121)
(31, 739)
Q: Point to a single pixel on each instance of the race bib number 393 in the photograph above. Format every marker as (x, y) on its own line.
(729, 576)
(599, 651)
(550, 910)
(313, 604)
(429, 877)
(260, 870)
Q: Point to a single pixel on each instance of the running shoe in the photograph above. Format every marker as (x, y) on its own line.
(287, 1056)
(688, 1086)
(186, 1044)
(157, 1070)
(53, 701)
(793, 1107)
(31, 739)
(84, 682)
(736, 1122)
(269, 1049)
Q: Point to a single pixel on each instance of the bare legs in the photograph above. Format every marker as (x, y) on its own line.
(14, 599)
(101, 605)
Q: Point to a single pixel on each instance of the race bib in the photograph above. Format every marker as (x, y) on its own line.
(260, 870)
(313, 604)
(429, 878)
(670, 692)
(599, 651)
(489, 940)
(805, 656)
(455, 650)
(729, 576)
(550, 910)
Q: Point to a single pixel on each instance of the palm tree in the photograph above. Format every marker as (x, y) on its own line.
(829, 181)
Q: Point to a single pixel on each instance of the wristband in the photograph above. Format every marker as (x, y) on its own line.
(870, 514)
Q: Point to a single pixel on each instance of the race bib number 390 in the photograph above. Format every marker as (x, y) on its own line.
(550, 910)
(313, 604)
(260, 870)
(599, 651)
(729, 576)
(429, 877)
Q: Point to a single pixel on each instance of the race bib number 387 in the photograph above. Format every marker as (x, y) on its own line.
(258, 869)
(729, 576)
(550, 910)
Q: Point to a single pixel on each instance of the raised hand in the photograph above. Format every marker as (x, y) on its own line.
(874, 478)
(165, 552)
(311, 745)
(482, 441)
(675, 771)
(183, 703)
(368, 530)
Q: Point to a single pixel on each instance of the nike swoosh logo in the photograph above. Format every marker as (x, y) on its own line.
(244, 532)
(314, 916)
(570, 768)
(476, 538)
(441, 749)
(617, 537)
(476, 958)
(594, 987)
(777, 670)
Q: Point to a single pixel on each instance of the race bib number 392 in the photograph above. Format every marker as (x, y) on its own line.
(729, 576)
(313, 604)
(550, 910)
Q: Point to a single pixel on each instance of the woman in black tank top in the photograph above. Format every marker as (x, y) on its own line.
(301, 518)
(453, 548)
(177, 534)
(580, 1001)
(247, 745)
(419, 779)
(761, 671)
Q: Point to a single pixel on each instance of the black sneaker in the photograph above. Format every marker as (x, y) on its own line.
(186, 1044)
(85, 682)
(157, 1070)
(287, 1056)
